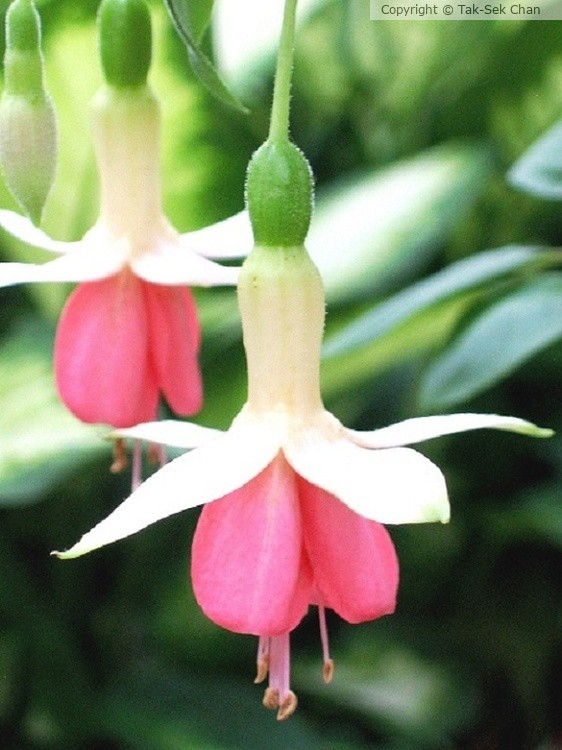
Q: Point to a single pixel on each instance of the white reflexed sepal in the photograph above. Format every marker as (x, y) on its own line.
(172, 265)
(25, 230)
(170, 432)
(83, 263)
(416, 430)
(230, 238)
(208, 473)
(391, 486)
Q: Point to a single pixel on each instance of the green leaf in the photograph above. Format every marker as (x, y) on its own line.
(475, 272)
(193, 15)
(412, 339)
(535, 516)
(511, 92)
(503, 337)
(539, 170)
(190, 19)
(42, 443)
(374, 231)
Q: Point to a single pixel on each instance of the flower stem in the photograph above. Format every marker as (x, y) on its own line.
(279, 124)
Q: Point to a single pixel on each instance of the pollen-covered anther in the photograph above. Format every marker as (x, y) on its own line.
(287, 707)
(156, 454)
(263, 659)
(328, 671)
(263, 669)
(120, 460)
(271, 698)
(328, 668)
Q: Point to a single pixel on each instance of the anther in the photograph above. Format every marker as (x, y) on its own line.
(120, 460)
(156, 454)
(328, 668)
(287, 707)
(328, 671)
(271, 698)
(263, 669)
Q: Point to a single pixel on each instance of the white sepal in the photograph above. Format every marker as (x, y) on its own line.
(84, 263)
(205, 474)
(230, 238)
(23, 229)
(416, 430)
(169, 432)
(172, 265)
(393, 486)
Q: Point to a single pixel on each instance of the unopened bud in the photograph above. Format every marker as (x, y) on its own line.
(125, 39)
(279, 195)
(28, 134)
(22, 26)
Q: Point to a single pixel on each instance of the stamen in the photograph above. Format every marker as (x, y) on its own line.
(328, 671)
(328, 668)
(136, 473)
(271, 698)
(279, 694)
(287, 707)
(157, 455)
(120, 460)
(262, 659)
(263, 669)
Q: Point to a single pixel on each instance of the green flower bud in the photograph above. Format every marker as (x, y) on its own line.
(279, 193)
(125, 41)
(23, 64)
(22, 26)
(28, 134)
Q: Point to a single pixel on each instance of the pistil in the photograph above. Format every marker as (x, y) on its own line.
(279, 694)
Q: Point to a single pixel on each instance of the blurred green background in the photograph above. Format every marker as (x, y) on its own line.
(444, 294)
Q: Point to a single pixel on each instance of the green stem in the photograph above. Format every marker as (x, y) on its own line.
(279, 125)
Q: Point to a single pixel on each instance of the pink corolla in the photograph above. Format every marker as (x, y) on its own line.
(294, 501)
(129, 332)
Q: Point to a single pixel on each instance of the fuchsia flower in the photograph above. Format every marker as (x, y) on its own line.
(129, 332)
(295, 501)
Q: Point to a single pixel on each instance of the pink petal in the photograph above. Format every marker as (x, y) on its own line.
(101, 353)
(246, 557)
(353, 560)
(174, 345)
